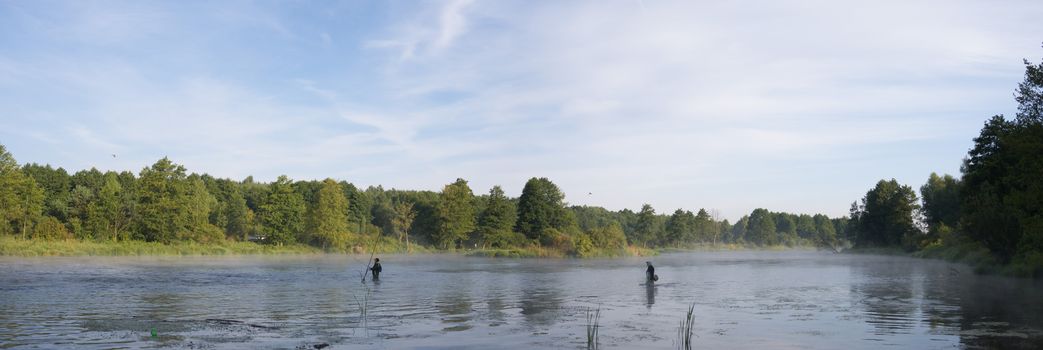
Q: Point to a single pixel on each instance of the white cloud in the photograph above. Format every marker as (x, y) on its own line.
(795, 105)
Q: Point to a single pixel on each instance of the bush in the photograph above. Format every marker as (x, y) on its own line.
(584, 246)
(49, 228)
(205, 234)
(553, 238)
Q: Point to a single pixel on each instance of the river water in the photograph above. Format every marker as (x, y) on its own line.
(777, 300)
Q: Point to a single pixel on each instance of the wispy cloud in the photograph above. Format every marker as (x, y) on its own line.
(797, 105)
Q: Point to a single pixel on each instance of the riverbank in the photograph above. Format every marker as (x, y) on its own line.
(11, 246)
(972, 254)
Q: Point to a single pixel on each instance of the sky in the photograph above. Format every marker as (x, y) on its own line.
(797, 106)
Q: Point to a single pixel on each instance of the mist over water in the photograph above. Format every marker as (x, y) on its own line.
(792, 299)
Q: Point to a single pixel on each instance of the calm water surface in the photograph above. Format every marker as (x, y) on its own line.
(779, 300)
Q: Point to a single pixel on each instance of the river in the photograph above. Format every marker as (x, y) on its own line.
(746, 299)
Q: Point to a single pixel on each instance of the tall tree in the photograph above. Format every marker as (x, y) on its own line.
(885, 216)
(56, 184)
(739, 230)
(329, 216)
(114, 207)
(404, 217)
(826, 233)
(806, 226)
(646, 229)
(456, 214)
(1001, 191)
(761, 228)
(941, 201)
(21, 198)
(680, 227)
(497, 219)
(703, 226)
(282, 213)
(540, 207)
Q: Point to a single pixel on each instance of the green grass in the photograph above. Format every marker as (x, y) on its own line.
(548, 252)
(10, 246)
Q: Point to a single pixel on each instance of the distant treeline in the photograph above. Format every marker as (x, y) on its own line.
(997, 203)
(163, 203)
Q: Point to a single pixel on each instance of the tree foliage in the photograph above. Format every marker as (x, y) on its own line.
(282, 212)
(328, 216)
(456, 214)
(885, 216)
(540, 207)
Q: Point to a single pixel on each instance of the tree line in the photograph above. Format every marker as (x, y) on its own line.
(996, 203)
(164, 203)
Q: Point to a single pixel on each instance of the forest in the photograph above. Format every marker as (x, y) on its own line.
(166, 204)
(992, 215)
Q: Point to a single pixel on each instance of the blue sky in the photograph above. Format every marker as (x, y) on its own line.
(796, 106)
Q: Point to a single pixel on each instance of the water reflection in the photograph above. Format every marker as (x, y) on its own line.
(744, 300)
(540, 301)
(650, 290)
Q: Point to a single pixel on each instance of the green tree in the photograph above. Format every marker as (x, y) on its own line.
(739, 230)
(646, 229)
(680, 227)
(497, 219)
(329, 216)
(786, 227)
(885, 216)
(1001, 193)
(170, 206)
(609, 237)
(702, 226)
(826, 233)
(404, 217)
(806, 226)
(941, 201)
(21, 198)
(56, 184)
(456, 214)
(540, 207)
(761, 228)
(114, 208)
(282, 213)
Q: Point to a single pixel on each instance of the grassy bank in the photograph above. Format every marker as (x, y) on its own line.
(545, 252)
(11, 246)
(972, 254)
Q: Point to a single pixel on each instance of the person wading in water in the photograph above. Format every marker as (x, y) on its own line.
(376, 269)
(650, 272)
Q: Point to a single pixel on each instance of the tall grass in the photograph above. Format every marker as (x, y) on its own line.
(593, 318)
(684, 330)
(11, 246)
(363, 304)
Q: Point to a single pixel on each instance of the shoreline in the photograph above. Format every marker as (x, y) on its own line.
(17, 247)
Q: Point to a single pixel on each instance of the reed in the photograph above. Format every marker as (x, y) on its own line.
(363, 304)
(684, 330)
(593, 318)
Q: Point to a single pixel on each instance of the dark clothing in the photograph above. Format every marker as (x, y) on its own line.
(650, 273)
(376, 270)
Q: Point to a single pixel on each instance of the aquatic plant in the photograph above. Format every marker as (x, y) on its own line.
(684, 330)
(593, 318)
(363, 304)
